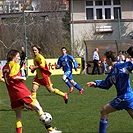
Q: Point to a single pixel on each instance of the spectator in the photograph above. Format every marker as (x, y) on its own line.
(120, 57)
(96, 61)
(23, 61)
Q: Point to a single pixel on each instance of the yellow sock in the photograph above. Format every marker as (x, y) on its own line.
(50, 129)
(34, 95)
(18, 126)
(59, 92)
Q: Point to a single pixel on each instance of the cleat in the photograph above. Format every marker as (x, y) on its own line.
(54, 131)
(81, 91)
(66, 98)
(71, 89)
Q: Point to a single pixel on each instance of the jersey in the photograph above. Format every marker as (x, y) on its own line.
(67, 62)
(43, 70)
(119, 76)
(16, 88)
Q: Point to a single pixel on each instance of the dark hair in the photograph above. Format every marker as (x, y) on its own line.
(11, 54)
(130, 51)
(110, 55)
(38, 47)
(64, 48)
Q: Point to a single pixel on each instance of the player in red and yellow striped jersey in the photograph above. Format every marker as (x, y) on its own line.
(43, 75)
(17, 90)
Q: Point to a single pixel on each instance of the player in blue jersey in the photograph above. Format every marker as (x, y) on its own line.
(67, 62)
(118, 76)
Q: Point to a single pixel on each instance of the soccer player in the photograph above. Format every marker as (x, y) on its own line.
(18, 92)
(67, 61)
(119, 76)
(43, 75)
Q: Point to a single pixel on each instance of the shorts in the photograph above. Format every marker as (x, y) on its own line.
(121, 103)
(46, 81)
(68, 74)
(20, 103)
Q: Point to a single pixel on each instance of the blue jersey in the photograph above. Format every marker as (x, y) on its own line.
(67, 62)
(119, 76)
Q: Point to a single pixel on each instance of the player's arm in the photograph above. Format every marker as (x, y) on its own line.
(19, 78)
(58, 66)
(103, 84)
(72, 59)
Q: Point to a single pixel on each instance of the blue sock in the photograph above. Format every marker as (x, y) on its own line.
(68, 83)
(102, 125)
(77, 86)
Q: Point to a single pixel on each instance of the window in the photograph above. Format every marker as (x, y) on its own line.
(116, 2)
(107, 13)
(107, 2)
(103, 9)
(99, 13)
(97, 3)
(89, 3)
(117, 14)
(89, 12)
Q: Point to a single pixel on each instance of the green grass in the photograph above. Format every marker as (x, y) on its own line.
(80, 115)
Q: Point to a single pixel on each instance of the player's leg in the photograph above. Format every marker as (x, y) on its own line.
(35, 87)
(18, 121)
(75, 84)
(104, 117)
(17, 106)
(130, 112)
(67, 82)
(58, 92)
(36, 106)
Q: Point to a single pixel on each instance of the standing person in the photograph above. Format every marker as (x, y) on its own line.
(23, 60)
(96, 60)
(18, 92)
(43, 75)
(120, 57)
(67, 61)
(118, 76)
(104, 64)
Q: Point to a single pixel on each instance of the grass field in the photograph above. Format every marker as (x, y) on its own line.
(80, 115)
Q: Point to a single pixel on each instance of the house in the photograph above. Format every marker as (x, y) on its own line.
(100, 20)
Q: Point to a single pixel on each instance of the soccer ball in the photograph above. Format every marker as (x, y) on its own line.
(46, 118)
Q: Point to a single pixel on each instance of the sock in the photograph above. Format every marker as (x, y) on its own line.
(48, 127)
(68, 83)
(102, 125)
(37, 107)
(77, 86)
(34, 95)
(18, 126)
(59, 92)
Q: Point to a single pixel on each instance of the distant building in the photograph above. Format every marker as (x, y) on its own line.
(14, 6)
(101, 20)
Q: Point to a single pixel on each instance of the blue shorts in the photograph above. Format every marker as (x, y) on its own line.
(120, 102)
(68, 74)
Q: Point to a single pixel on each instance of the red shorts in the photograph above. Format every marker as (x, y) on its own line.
(46, 81)
(20, 103)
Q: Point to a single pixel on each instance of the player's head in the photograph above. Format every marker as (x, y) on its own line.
(130, 51)
(13, 55)
(64, 50)
(36, 49)
(110, 57)
(22, 48)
